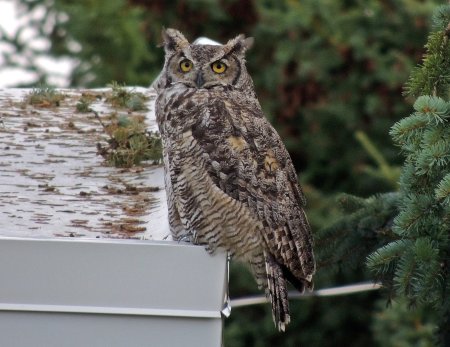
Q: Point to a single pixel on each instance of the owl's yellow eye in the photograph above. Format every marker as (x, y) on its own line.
(186, 65)
(218, 67)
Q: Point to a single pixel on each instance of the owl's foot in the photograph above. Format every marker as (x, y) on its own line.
(184, 238)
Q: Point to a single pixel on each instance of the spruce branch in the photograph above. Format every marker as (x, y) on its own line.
(380, 261)
(433, 76)
(406, 234)
(418, 263)
(365, 225)
(434, 108)
(443, 190)
(406, 132)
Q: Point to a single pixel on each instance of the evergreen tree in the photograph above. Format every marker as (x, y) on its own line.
(414, 223)
(399, 326)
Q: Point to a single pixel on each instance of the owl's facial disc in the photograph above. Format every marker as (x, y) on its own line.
(208, 66)
(203, 72)
(205, 66)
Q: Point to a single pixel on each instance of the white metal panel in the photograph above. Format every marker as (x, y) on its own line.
(101, 292)
(34, 329)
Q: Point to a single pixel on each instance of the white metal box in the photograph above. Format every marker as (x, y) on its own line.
(74, 292)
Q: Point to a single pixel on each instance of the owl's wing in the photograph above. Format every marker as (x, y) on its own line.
(210, 216)
(246, 181)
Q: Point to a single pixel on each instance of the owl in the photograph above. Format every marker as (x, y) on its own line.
(230, 182)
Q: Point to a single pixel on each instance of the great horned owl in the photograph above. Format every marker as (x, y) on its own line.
(230, 181)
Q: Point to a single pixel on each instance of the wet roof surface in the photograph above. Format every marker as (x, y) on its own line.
(53, 183)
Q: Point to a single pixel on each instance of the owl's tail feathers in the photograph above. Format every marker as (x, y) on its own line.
(301, 284)
(277, 293)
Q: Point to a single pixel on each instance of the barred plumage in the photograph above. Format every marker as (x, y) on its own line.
(230, 182)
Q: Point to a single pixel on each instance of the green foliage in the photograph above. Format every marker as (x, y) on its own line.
(82, 105)
(384, 170)
(364, 226)
(321, 80)
(322, 209)
(129, 144)
(44, 96)
(433, 108)
(443, 190)
(398, 326)
(433, 77)
(418, 264)
(121, 97)
(118, 51)
(412, 253)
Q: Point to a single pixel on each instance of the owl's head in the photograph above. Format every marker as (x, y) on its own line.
(205, 66)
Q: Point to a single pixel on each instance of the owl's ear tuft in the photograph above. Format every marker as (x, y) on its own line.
(239, 45)
(173, 40)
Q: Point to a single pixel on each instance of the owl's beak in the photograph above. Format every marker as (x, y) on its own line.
(199, 81)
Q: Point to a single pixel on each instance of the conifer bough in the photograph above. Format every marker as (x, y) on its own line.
(417, 264)
(407, 233)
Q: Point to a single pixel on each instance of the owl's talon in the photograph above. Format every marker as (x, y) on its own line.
(185, 238)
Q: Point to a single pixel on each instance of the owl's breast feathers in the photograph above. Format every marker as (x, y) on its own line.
(241, 156)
